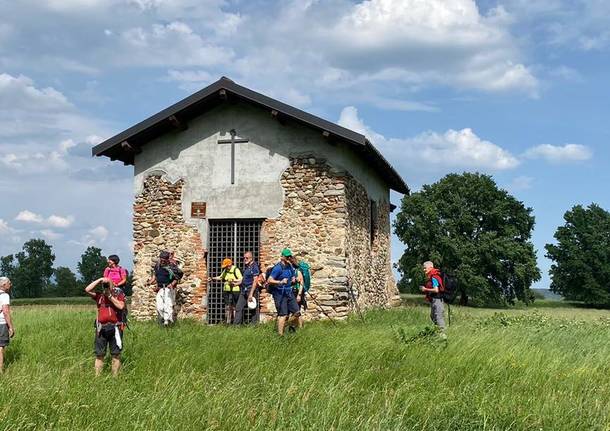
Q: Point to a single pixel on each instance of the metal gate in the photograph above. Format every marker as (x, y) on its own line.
(229, 238)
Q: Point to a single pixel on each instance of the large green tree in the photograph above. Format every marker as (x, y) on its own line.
(581, 268)
(30, 269)
(66, 282)
(472, 229)
(91, 265)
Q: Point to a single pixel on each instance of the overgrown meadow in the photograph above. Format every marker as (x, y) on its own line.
(544, 367)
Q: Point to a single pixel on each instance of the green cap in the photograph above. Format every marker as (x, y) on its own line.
(286, 252)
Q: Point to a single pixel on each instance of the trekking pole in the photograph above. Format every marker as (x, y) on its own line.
(322, 309)
(351, 292)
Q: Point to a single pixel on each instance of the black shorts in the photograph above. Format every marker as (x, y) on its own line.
(105, 338)
(230, 298)
(4, 335)
(285, 303)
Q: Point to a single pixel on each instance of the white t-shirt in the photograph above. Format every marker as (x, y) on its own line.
(4, 300)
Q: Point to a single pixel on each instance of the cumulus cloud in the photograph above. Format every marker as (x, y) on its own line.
(99, 233)
(560, 154)
(29, 217)
(4, 227)
(53, 220)
(452, 149)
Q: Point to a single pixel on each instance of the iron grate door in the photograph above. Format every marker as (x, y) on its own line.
(229, 238)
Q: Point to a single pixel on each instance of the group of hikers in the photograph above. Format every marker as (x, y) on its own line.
(288, 281)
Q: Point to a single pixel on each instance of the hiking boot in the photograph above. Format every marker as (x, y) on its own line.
(292, 329)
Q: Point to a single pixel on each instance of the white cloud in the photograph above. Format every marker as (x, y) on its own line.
(4, 227)
(99, 233)
(50, 234)
(453, 149)
(560, 154)
(60, 222)
(56, 221)
(29, 217)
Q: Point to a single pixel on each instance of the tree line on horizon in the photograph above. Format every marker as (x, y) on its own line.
(481, 235)
(33, 275)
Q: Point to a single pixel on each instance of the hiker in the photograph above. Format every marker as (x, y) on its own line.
(433, 291)
(108, 328)
(248, 288)
(7, 330)
(231, 277)
(165, 277)
(298, 289)
(281, 279)
(117, 274)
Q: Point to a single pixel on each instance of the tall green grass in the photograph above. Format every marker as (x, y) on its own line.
(541, 368)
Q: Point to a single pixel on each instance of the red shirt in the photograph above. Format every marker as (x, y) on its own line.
(106, 310)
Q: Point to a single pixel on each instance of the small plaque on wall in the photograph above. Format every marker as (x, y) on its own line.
(198, 209)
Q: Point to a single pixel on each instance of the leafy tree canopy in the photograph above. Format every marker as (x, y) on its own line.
(91, 265)
(472, 229)
(30, 269)
(66, 282)
(581, 268)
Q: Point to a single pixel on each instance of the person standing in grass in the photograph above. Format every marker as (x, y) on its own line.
(247, 289)
(7, 330)
(166, 276)
(298, 289)
(281, 279)
(231, 278)
(433, 290)
(114, 272)
(107, 326)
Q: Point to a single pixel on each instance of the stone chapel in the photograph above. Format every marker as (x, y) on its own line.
(228, 170)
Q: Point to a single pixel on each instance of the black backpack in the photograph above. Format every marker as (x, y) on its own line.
(450, 288)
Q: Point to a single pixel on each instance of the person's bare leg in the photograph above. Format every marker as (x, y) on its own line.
(228, 314)
(301, 322)
(281, 322)
(99, 365)
(116, 365)
(1, 360)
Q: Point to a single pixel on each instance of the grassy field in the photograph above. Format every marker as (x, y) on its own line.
(544, 367)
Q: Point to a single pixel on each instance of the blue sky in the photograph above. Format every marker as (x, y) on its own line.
(514, 88)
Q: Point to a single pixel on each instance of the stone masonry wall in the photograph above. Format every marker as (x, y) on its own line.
(325, 220)
(313, 224)
(369, 264)
(158, 225)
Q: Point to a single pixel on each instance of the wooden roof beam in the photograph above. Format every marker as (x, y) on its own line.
(177, 123)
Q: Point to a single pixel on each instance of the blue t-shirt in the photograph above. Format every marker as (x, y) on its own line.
(280, 272)
(435, 283)
(249, 272)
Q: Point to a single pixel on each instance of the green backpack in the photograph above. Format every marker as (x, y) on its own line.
(305, 270)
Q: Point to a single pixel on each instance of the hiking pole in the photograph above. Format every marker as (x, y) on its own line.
(322, 309)
(351, 292)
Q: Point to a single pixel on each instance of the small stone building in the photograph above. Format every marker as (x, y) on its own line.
(228, 170)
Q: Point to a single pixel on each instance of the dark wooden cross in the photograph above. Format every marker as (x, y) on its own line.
(232, 141)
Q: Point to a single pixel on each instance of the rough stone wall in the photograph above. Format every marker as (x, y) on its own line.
(313, 224)
(158, 225)
(369, 264)
(325, 220)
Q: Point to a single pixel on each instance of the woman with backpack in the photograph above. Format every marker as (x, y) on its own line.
(116, 273)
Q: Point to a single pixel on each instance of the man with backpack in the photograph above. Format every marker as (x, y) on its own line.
(165, 278)
(116, 273)
(231, 278)
(108, 330)
(247, 289)
(434, 290)
(281, 280)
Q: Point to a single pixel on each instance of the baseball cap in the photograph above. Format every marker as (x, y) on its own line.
(226, 263)
(286, 252)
